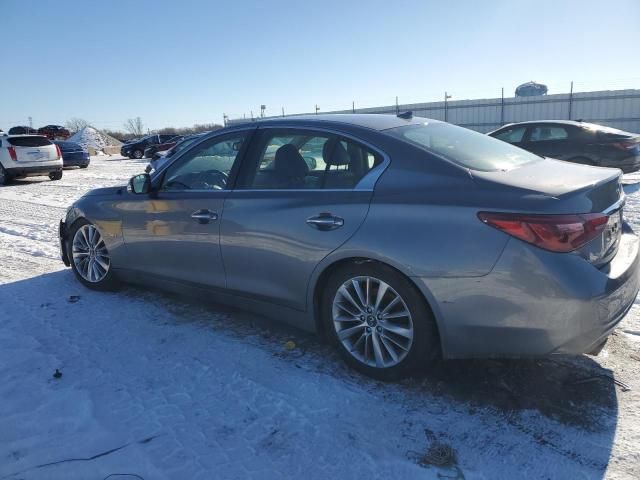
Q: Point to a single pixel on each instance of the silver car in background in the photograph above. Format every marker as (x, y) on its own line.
(401, 239)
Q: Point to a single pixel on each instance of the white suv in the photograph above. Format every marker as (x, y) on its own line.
(28, 155)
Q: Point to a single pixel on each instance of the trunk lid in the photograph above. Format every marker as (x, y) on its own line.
(33, 148)
(565, 188)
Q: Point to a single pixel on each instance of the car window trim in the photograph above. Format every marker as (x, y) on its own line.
(158, 178)
(366, 183)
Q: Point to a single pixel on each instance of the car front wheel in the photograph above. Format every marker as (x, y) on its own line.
(138, 154)
(90, 259)
(379, 321)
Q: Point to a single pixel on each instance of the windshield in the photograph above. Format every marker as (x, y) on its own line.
(463, 146)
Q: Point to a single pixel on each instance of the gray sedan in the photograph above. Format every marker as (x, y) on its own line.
(401, 239)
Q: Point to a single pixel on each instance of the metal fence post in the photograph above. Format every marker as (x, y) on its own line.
(502, 108)
(397, 108)
(353, 107)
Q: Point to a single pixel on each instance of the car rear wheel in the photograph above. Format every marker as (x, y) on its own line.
(84, 166)
(138, 154)
(5, 178)
(379, 321)
(90, 259)
(55, 175)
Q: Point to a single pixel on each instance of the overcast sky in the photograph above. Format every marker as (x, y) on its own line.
(180, 62)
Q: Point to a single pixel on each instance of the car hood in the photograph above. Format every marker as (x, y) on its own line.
(104, 191)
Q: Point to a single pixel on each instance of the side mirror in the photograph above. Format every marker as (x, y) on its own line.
(140, 184)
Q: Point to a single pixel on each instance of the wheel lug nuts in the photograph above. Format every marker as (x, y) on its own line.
(379, 329)
(368, 329)
(369, 310)
(362, 317)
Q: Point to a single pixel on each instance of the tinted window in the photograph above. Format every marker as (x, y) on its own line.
(306, 160)
(544, 133)
(511, 135)
(206, 168)
(67, 146)
(462, 146)
(33, 141)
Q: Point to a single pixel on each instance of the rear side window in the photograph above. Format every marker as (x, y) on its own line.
(547, 133)
(511, 135)
(34, 141)
(463, 146)
(289, 159)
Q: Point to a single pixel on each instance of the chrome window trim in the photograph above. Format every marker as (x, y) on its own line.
(366, 183)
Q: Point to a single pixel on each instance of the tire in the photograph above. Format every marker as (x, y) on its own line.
(84, 166)
(5, 178)
(94, 278)
(367, 328)
(55, 175)
(138, 154)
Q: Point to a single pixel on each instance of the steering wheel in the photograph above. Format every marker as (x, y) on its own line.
(211, 180)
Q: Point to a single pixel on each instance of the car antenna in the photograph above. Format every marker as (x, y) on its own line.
(408, 115)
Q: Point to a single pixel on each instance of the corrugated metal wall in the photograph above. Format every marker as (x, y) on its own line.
(616, 108)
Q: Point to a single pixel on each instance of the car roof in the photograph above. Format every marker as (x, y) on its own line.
(374, 121)
(575, 123)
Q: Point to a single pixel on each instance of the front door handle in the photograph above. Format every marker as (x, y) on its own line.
(325, 221)
(204, 216)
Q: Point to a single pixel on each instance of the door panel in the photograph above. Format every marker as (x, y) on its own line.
(269, 249)
(162, 238)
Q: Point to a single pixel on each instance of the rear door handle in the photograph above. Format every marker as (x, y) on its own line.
(204, 216)
(325, 221)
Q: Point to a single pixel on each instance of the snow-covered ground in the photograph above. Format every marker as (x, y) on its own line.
(165, 388)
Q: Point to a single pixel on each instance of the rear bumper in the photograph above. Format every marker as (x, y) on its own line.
(627, 165)
(33, 170)
(536, 303)
(76, 161)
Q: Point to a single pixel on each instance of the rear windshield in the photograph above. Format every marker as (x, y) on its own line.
(463, 146)
(33, 141)
(68, 146)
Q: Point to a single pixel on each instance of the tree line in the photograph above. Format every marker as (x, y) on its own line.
(134, 128)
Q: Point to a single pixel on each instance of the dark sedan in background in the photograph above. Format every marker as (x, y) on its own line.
(577, 142)
(151, 150)
(73, 155)
(136, 149)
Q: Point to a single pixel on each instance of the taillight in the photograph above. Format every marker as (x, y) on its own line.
(12, 153)
(58, 151)
(557, 233)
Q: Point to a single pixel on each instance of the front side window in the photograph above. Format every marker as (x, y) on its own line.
(463, 146)
(307, 160)
(547, 133)
(206, 168)
(511, 135)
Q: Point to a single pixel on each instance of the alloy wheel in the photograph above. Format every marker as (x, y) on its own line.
(90, 255)
(372, 322)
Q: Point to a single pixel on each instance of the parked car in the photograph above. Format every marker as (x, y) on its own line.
(28, 155)
(22, 130)
(151, 150)
(577, 142)
(136, 149)
(73, 155)
(54, 132)
(411, 238)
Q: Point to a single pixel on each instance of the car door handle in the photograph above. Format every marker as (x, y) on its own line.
(204, 216)
(325, 221)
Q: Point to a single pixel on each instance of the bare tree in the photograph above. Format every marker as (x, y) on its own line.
(134, 126)
(76, 124)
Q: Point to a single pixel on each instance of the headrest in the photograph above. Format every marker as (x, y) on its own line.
(288, 162)
(334, 153)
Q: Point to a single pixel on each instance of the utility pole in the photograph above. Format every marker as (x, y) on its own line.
(317, 108)
(570, 99)
(502, 108)
(446, 97)
(283, 111)
(397, 108)
(262, 109)
(224, 119)
(30, 122)
(353, 107)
